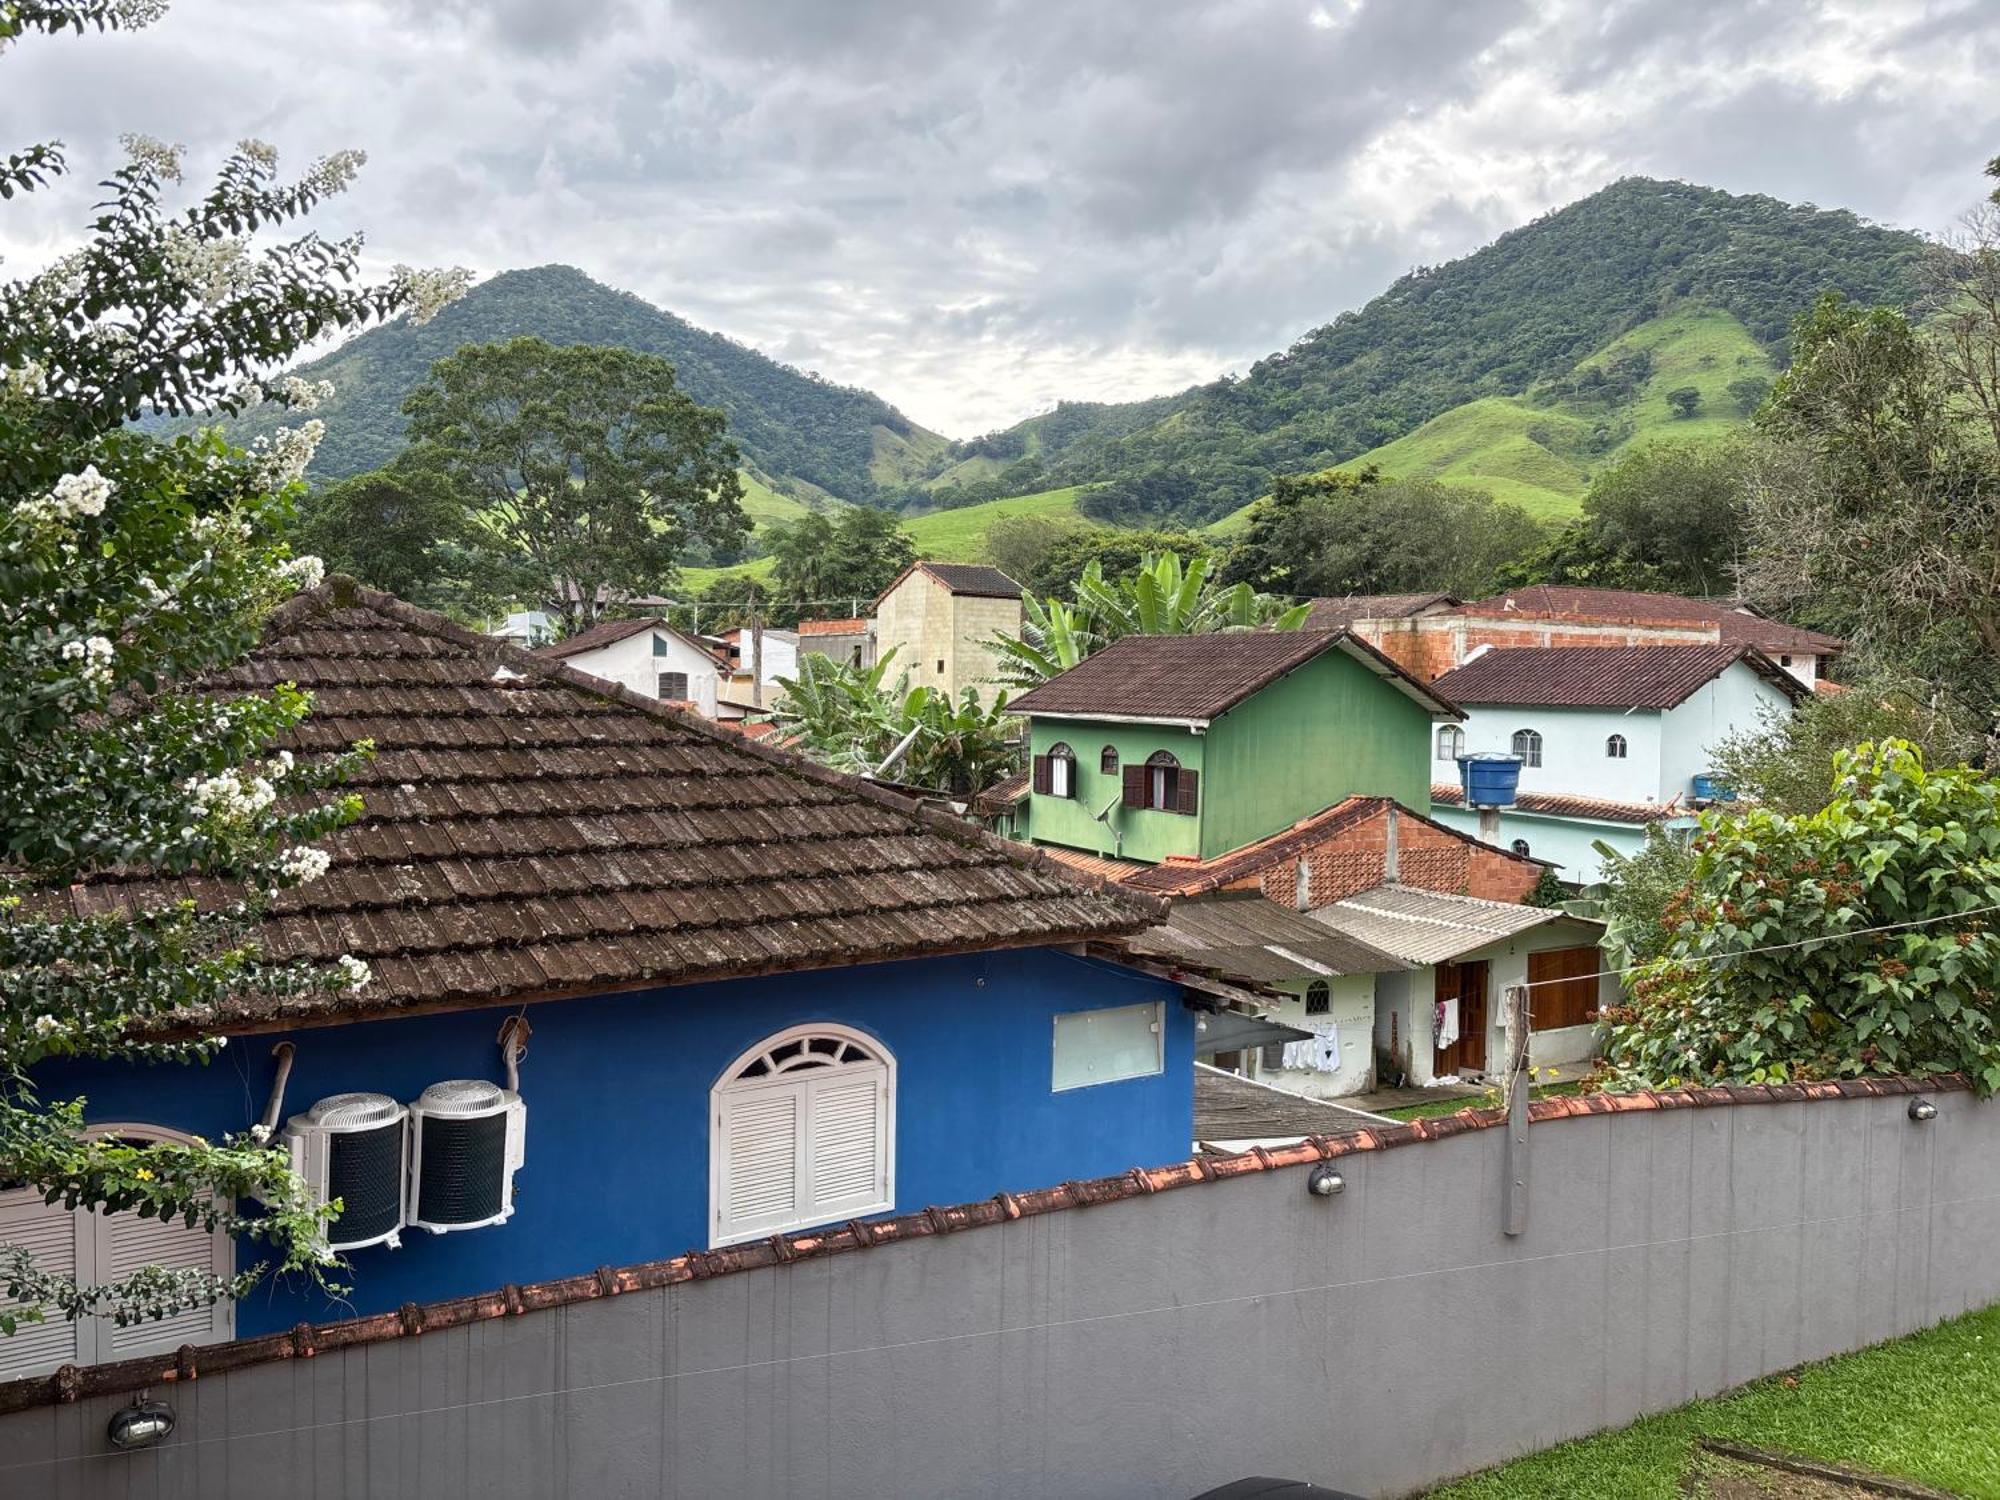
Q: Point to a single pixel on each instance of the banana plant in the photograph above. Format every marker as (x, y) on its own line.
(871, 722)
(1054, 637)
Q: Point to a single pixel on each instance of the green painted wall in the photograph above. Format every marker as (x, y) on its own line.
(1129, 833)
(1328, 731)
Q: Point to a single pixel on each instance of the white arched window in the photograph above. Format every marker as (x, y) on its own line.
(1062, 771)
(1528, 745)
(97, 1248)
(1451, 742)
(1614, 747)
(802, 1131)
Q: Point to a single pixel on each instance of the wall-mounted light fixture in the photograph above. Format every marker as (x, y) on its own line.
(1922, 1110)
(140, 1425)
(1325, 1181)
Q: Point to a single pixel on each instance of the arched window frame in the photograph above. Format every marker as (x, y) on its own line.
(1107, 761)
(796, 1076)
(1616, 748)
(1062, 770)
(1163, 780)
(1319, 998)
(1528, 745)
(97, 1339)
(1450, 742)
(1520, 847)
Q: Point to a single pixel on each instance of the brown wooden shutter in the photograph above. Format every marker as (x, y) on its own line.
(1189, 799)
(1042, 775)
(1565, 994)
(1135, 786)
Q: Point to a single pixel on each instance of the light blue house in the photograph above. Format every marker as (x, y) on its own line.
(1611, 738)
(685, 991)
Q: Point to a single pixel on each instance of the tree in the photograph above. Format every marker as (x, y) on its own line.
(407, 531)
(822, 564)
(1115, 551)
(1674, 510)
(1857, 939)
(1684, 401)
(1019, 545)
(868, 722)
(1337, 533)
(1749, 392)
(589, 464)
(133, 569)
(1874, 507)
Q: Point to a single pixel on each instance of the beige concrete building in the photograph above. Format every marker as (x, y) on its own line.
(939, 617)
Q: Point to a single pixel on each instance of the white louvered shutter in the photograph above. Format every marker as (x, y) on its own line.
(760, 1134)
(126, 1242)
(848, 1163)
(49, 1232)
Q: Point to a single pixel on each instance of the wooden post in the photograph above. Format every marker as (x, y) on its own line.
(1514, 1193)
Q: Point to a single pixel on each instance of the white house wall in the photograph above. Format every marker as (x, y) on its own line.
(1573, 740)
(1737, 702)
(1567, 842)
(1351, 1008)
(632, 663)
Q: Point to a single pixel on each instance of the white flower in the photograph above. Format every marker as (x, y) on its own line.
(353, 970)
(213, 269)
(29, 379)
(304, 395)
(82, 494)
(152, 158)
(303, 865)
(281, 763)
(303, 572)
(332, 174)
(283, 459)
(64, 280)
(260, 1132)
(232, 798)
(47, 1026)
(429, 292)
(259, 153)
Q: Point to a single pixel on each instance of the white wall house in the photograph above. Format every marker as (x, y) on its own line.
(1611, 738)
(779, 655)
(648, 656)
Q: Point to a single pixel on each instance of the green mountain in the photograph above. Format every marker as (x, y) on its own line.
(1536, 306)
(802, 437)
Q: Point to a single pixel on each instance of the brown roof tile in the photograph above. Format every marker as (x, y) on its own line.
(530, 831)
(1734, 623)
(1562, 805)
(1154, 677)
(1604, 676)
(1340, 613)
(975, 580)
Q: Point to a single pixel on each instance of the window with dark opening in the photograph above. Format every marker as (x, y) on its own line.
(674, 686)
(1107, 760)
(1319, 998)
(1614, 747)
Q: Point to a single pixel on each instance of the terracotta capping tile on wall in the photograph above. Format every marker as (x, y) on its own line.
(306, 1341)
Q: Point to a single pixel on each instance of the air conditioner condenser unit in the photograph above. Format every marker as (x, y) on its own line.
(467, 1139)
(353, 1147)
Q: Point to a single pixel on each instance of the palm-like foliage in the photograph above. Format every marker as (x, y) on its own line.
(1163, 597)
(867, 721)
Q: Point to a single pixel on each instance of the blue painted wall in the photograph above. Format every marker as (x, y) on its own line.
(617, 1089)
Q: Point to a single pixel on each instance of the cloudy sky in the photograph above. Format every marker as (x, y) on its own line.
(977, 208)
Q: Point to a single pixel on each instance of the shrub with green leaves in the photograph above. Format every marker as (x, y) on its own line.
(1854, 940)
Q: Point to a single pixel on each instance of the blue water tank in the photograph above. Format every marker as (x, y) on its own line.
(1708, 787)
(1490, 778)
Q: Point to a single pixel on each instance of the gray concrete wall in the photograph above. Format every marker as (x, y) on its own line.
(1375, 1341)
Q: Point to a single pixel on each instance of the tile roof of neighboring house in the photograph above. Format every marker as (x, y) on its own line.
(1199, 677)
(1562, 805)
(1093, 864)
(1229, 1108)
(1604, 676)
(1242, 934)
(531, 832)
(1338, 614)
(832, 627)
(1187, 877)
(1736, 624)
(603, 633)
(1429, 927)
(72, 1383)
(1001, 796)
(974, 580)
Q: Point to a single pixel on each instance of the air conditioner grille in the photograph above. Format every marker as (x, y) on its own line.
(365, 1171)
(461, 1097)
(464, 1169)
(354, 1111)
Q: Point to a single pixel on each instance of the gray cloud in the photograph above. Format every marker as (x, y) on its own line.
(976, 209)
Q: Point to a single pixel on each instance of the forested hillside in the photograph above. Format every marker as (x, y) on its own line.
(805, 435)
(1523, 310)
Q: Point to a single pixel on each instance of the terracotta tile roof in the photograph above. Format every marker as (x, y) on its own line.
(1198, 677)
(1179, 877)
(72, 1383)
(1562, 805)
(1735, 623)
(532, 832)
(1604, 676)
(1229, 1108)
(1338, 614)
(603, 633)
(1242, 934)
(833, 627)
(974, 580)
(1093, 864)
(1002, 796)
(1430, 927)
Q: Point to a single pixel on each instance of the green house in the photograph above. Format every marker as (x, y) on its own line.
(1162, 746)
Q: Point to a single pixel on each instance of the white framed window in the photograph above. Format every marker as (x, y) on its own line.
(1615, 747)
(1450, 742)
(1528, 745)
(802, 1130)
(1104, 1046)
(98, 1247)
(1062, 771)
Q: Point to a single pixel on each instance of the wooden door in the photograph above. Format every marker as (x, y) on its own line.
(1465, 983)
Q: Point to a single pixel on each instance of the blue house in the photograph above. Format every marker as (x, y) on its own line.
(685, 990)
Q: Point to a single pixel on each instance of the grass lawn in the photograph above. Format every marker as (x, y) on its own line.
(1924, 1408)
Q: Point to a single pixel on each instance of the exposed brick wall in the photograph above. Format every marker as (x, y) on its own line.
(1429, 646)
(1356, 859)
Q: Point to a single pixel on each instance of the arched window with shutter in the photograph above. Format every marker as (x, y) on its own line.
(1054, 774)
(1162, 785)
(97, 1248)
(802, 1131)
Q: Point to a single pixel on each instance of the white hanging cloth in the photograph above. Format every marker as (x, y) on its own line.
(1321, 1054)
(1444, 1026)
